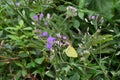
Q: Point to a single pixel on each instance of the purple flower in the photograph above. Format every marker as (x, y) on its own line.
(49, 46)
(67, 43)
(93, 17)
(17, 4)
(41, 16)
(35, 17)
(64, 37)
(50, 39)
(45, 33)
(50, 42)
(40, 35)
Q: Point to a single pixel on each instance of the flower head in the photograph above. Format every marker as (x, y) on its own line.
(45, 33)
(59, 35)
(50, 42)
(49, 46)
(37, 31)
(64, 37)
(35, 17)
(41, 16)
(71, 11)
(50, 39)
(93, 17)
(48, 15)
(17, 4)
(67, 43)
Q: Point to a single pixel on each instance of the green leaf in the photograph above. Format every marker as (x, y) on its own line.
(58, 78)
(31, 64)
(27, 28)
(1, 33)
(13, 37)
(50, 74)
(81, 4)
(76, 24)
(104, 50)
(23, 55)
(2, 63)
(76, 76)
(113, 73)
(116, 30)
(118, 53)
(118, 73)
(2, 8)
(36, 72)
(24, 73)
(21, 23)
(18, 74)
(81, 14)
(11, 28)
(61, 8)
(31, 15)
(1, 27)
(39, 60)
(19, 64)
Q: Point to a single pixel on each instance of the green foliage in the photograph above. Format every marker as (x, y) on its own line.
(91, 27)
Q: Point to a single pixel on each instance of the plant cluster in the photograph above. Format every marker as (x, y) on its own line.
(59, 40)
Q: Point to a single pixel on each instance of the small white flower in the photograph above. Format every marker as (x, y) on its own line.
(70, 8)
(48, 15)
(71, 11)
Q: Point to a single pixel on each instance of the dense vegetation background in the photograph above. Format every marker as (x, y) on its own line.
(59, 39)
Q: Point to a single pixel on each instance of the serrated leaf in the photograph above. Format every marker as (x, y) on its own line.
(31, 15)
(50, 74)
(76, 76)
(116, 30)
(21, 23)
(24, 73)
(81, 15)
(61, 8)
(39, 60)
(23, 55)
(18, 64)
(76, 24)
(18, 74)
(31, 65)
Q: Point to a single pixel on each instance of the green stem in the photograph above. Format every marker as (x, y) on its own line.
(103, 70)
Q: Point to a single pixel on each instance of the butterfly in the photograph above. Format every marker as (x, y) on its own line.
(71, 52)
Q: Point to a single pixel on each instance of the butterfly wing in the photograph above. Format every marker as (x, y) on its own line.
(71, 52)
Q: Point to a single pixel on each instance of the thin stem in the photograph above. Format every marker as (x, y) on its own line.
(103, 70)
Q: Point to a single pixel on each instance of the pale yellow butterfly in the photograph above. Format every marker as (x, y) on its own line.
(71, 52)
